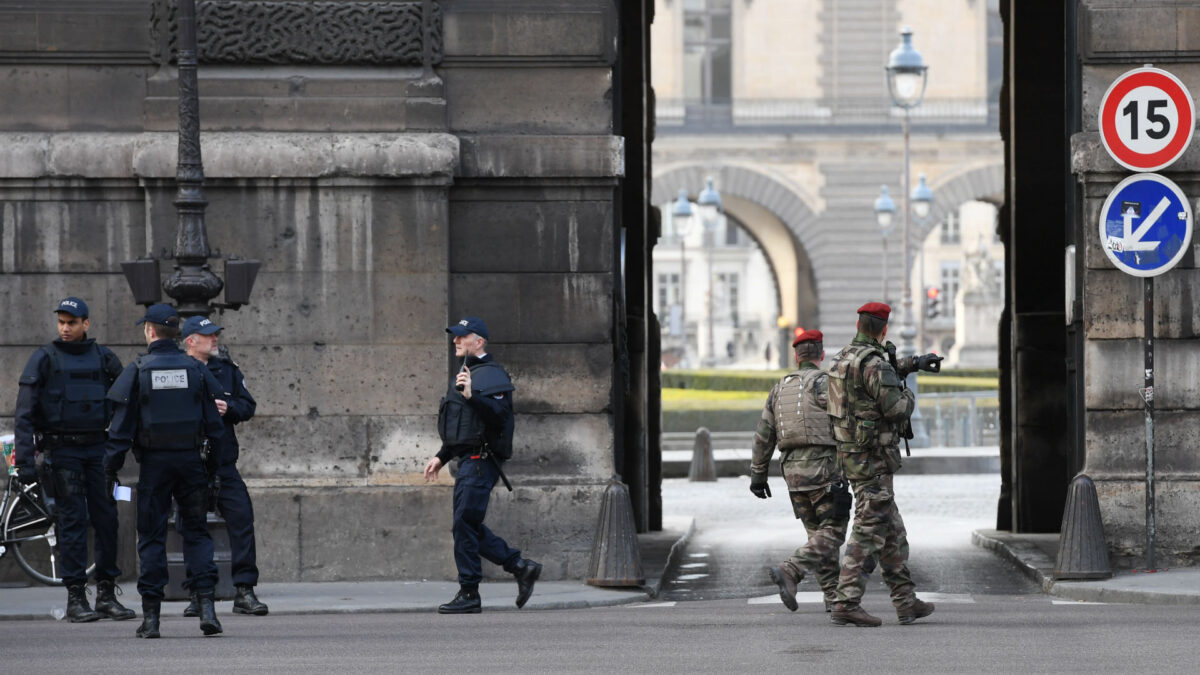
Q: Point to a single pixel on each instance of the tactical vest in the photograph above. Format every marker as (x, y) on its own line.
(799, 419)
(856, 418)
(73, 398)
(460, 425)
(170, 388)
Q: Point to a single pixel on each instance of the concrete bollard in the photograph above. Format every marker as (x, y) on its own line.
(704, 467)
(616, 557)
(1082, 550)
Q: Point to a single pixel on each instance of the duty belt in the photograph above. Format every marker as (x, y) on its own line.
(68, 440)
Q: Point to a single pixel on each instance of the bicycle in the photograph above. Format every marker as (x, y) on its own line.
(29, 530)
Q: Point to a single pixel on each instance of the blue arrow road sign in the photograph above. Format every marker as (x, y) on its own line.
(1146, 225)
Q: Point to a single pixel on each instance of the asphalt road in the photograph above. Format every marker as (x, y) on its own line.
(723, 616)
(987, 633)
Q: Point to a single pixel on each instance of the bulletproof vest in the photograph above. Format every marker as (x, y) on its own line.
(170, 389)
(856, 418)
(460, 425)
(799, 418)
(73, 398)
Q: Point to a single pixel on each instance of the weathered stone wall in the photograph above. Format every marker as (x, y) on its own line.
(1116, 37)
(383, 202)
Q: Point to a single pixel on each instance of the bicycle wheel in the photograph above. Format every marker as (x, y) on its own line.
(31, 531)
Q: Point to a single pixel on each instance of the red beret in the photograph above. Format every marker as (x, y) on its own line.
(808, 336)
(876, 309)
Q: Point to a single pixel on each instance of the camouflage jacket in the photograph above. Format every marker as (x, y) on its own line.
(805, 467)
(867, 407)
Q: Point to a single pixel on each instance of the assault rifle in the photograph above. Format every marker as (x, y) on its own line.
(930, 363)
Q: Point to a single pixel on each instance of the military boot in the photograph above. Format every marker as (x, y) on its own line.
(527, 575)
(786, 584)
(193, 607)
(466, 602)
(208, 614)
(246, 602)
(107, 604)
(918, 610)
(149, 627)
(78, 609)
(854, 616)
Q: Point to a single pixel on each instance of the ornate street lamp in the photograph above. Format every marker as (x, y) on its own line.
(907, 76)
(681, 217)
(709, 202)
(192, 284)
(885, 211)
(922, 201)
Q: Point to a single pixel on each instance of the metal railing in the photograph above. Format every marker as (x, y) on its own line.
(961, 419)
(690, 116)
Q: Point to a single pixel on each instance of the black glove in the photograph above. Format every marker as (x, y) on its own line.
(27, 475)
(930, 363)
(758, 485)
(110, 483)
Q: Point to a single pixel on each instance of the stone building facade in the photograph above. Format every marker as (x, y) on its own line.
(404, 165)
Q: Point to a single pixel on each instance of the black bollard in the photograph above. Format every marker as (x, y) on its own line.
(704, 467)
(616, 558)
(1082, 549)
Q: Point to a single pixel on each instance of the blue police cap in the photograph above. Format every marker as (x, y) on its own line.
(73, 306)
(198, 324)
(162, 314)
(470, 324)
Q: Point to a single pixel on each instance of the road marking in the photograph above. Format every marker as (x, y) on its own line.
(814, 597)
(1076, 603)
(654, 604)
(948, 598)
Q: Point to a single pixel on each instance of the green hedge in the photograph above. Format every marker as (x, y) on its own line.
(715, 420)
(763, 380)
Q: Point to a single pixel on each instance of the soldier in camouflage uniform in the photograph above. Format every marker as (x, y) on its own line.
(869, 407)
(794, 419)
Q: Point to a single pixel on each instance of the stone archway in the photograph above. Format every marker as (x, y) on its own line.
(985, 183)
(775, 213)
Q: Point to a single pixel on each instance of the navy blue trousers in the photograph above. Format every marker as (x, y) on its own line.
(177, 474)
(80, 499)
(233, 502)
(472, 539)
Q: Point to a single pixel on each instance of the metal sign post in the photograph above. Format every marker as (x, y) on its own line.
(1145, 229)
(1148, 397)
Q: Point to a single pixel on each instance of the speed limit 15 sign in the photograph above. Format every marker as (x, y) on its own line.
(1146, 119)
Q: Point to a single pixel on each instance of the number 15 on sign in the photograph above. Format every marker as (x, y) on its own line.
(1146, 119)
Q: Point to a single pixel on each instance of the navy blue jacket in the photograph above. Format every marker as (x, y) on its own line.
(496, 411)
(27, 419)
(122, 432)
(241, 405)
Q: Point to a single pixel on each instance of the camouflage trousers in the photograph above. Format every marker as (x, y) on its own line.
(826, 528)
(878, 531)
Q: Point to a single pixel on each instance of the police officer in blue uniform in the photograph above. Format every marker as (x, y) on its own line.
(475, 422)
(236, 405)
(165, 409)
(62, 413)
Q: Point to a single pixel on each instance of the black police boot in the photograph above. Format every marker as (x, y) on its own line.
(193, 607)
(149, 627)
(107, 604)
(466, 602)
(208, 614)
(246, 602)
(78, 609)
(527, 575)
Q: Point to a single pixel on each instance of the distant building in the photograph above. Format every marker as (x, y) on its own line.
(785, 104)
